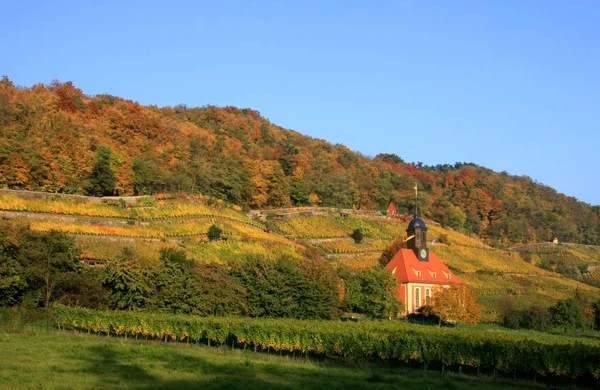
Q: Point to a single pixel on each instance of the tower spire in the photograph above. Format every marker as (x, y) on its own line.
(416, 200)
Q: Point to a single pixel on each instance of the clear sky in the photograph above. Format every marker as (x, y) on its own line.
(510, 85)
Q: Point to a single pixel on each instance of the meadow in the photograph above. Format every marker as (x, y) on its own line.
(34, 356)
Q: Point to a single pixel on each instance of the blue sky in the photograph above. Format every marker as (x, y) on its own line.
(510, 85)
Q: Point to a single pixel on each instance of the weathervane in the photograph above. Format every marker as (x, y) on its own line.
(416, 199)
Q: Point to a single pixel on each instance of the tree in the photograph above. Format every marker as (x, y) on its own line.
(567, 314)
(317, 290)
(298, 191)
(456, 217)
(214, 233)
(174, 283)
(371, 292)
(456, 303)
(508, 314)
(270, 285)
(285, 287)
(12, 275)
(357, 236)
(102, 178)
(389, 252)
(49, 259)
(84, 289)
(129, 283)
(537, 318)
(220, 294)
(596, 307)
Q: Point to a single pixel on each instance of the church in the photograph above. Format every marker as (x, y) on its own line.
(417, 269)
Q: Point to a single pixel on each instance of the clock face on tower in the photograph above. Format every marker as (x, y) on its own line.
(423, 253)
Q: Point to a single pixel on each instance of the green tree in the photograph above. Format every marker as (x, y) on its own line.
(50, 260)
(129, 283)
(316, 290)
(214, 233)
(298, 191)
(285, 287)
(456, 217)
(84, 289)
(174, 283)
(357, 236)
(537, 318)
(102, 178)
(567, 314)
(596, 307)
(270, 285)
(220, 294)
(371, 292)
(12, 275)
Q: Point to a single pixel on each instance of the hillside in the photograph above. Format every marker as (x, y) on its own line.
(56, 139)
(102, 229)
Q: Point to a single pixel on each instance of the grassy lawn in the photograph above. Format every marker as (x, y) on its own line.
(36, 358)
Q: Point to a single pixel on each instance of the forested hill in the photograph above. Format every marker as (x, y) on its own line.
(54, 138)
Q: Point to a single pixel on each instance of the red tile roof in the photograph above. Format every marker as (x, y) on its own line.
(409, 269)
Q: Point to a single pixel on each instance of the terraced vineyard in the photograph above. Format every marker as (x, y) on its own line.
(592, 278)
(156, 210)
(348, 246)
(491, 272)
(337, 227)
(102, 230)
(357, 262)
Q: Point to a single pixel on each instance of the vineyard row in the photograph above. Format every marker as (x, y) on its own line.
(507, 352)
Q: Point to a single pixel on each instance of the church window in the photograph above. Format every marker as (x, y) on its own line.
(417, 298)
(427, 296)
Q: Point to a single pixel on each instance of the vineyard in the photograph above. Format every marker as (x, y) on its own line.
(159, 230)
(337, 227)
(357, 262)
(592, 278)
(527, 289)
(104, 228)
(224, 251)
(153, 210)
(468, 259)
(502, 351)
(348, 246)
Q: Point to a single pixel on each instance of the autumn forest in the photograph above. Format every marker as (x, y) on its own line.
(56, 139)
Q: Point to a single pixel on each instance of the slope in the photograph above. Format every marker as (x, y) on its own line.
(103, 227)
(56, 139)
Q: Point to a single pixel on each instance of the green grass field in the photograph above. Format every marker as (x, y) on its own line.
(50, 359)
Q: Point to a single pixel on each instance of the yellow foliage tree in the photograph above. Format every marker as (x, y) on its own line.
(456, 303)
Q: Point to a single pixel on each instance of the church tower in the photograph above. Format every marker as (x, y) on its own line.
(417, 237)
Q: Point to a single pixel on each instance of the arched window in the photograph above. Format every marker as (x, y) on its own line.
(427, 296)
(417, 298)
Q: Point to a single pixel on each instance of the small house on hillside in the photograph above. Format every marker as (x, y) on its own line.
(417, 269)
(391, 210)
(555, 240)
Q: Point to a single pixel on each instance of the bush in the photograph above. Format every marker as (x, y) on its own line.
(357, 236)
(214, 233)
